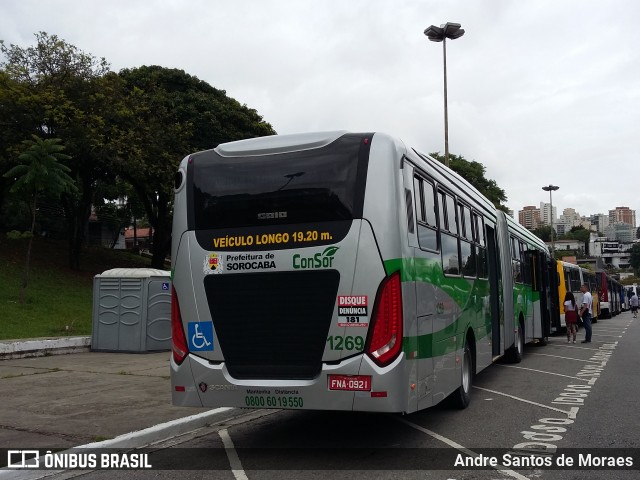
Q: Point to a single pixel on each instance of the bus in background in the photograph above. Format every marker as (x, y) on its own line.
(624, 301)
(617, 296)
(609, 294)
(571, 277)
(344, 271)
(589, 278)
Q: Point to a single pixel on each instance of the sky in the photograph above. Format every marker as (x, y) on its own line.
(540, 92)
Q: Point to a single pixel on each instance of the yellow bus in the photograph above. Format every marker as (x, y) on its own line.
(570, 278)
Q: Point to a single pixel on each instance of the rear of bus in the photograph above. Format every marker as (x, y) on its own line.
(603, 282)
(281, 298)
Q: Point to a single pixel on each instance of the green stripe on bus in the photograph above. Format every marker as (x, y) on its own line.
(467, 293)
(430, 271)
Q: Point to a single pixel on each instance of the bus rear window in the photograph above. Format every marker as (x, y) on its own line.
(324, 184)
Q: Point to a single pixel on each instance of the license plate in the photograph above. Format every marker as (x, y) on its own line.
(360, 383)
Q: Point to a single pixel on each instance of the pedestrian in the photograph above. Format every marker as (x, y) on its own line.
(585, 311)
(571, 316)
(633, 302)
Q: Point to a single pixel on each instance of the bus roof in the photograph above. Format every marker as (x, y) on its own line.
(275, 144)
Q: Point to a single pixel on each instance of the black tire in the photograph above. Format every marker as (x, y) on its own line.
(515, 353)
(461, 397)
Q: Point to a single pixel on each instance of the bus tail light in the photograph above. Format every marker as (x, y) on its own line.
(178, 339)
(385, 335)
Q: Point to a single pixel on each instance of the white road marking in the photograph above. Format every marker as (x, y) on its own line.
(567, 345)
(232, 455)
(598, 335)
(459, 447)
(564, 358)
(541, 371)
(581, 348)
(523, 400)
(573, 412)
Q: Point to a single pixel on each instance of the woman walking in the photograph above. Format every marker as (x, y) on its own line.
(570, 316)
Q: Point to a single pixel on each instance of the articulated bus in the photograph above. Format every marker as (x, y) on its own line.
(589, 278)
(570, 278)
(610, 294)
(343, 271)
(617, 296)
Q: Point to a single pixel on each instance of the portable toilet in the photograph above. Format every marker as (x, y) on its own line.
(131, 310)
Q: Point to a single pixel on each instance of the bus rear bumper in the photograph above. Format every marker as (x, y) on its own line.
(198, 383)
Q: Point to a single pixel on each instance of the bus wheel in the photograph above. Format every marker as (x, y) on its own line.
(462, 396)
(514, 354)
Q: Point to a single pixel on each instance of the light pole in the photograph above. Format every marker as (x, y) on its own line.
(440, 34)
(551, 188)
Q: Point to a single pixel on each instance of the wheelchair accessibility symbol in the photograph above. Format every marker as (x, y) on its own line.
(200, 336)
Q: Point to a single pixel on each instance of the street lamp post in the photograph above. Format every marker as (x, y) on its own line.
(440, 34)
(551, 188)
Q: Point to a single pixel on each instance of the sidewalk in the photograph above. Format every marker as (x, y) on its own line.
(60, 401)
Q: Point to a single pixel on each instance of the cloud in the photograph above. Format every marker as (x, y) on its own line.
(539, 92)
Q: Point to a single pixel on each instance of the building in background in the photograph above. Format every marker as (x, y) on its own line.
(546, 214)
(611, 252)
(622, 225)
(529, 217)
(623, 215)
(620, 232)
(600, 221)
(570, 245)
(569, 219)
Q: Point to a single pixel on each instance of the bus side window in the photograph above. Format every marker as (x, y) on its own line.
(430, 204)
(483, 268)
(452, 225)
(478, 231)
(449, 243)
(468, 257)
(515, 260)
(466, 229)
(417, 189)
(442, 201)
(525, 264)
(450, 257)
(427, 221)
(576, 279)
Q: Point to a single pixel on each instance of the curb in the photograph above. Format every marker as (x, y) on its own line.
(137, 439)
(147, 436)
(40, 347)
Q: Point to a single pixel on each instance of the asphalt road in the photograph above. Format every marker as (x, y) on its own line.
(578, 398)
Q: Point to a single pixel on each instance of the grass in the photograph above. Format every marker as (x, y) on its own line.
(59, 300)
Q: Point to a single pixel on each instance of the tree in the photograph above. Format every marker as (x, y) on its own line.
(40, 172)
(543, 232)
(116, 204)
(634, 259)
(474, 173)
(169, 115)
(57, 91)
(582, 234)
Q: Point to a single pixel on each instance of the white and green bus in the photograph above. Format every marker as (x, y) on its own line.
(344, 271)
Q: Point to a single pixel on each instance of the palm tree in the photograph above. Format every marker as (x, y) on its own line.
(40, 172)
